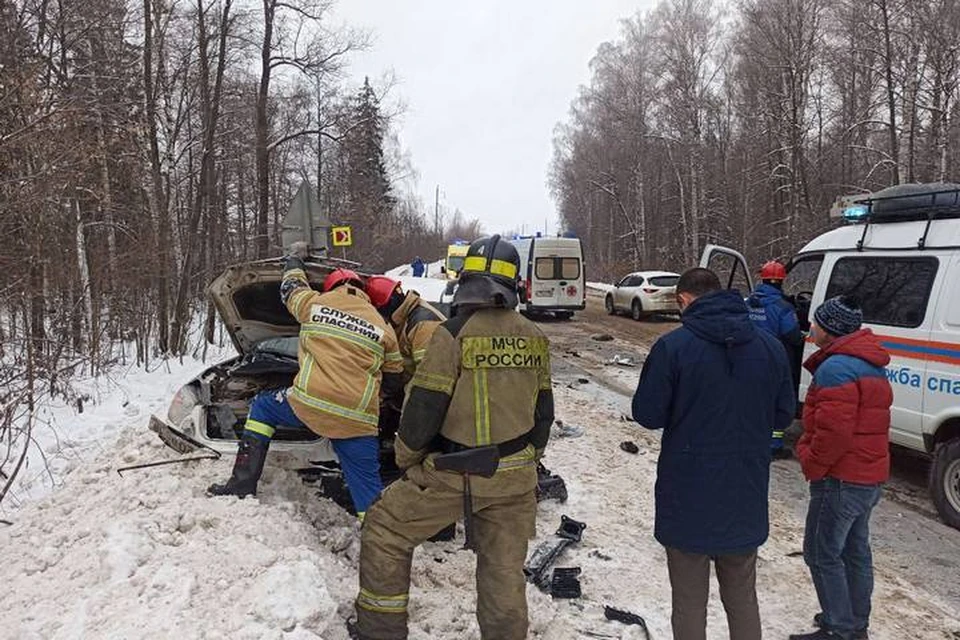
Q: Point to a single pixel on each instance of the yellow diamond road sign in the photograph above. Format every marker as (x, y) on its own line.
(341, 236)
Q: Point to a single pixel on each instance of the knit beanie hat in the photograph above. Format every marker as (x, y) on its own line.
(840, 315)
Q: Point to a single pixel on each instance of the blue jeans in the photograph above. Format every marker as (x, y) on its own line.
(836, 547)
(359, 457)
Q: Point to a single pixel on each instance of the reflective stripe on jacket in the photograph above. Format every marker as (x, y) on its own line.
(345, 347)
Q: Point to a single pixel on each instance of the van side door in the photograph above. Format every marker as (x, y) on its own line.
(730, 266)
(941, 390)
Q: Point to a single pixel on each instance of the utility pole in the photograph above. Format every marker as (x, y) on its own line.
(319, 144)
(436, 212)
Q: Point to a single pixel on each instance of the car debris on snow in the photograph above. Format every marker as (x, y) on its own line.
(629, 446)
(568, 430)
(623, 361)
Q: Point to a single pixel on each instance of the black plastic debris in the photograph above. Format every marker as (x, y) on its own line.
(565, 583)
(629, 446)
(626, 617)
(537, 569)
(549, 485)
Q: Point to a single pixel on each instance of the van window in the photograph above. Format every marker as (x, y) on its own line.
(557, 268)
(664, 281)
(803, 274)
(892, 291)
(730, 271)
(569, 268)
(455, 263)
(544, 269)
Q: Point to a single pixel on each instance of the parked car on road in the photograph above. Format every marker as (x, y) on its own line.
(644, 292)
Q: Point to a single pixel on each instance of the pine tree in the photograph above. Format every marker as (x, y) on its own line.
(370, 202)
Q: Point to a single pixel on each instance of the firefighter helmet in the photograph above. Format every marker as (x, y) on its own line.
(773, 270)
(381, 289)
(341, 276)
(489, 274)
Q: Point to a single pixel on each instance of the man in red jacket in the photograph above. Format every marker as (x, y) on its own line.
(845, 455)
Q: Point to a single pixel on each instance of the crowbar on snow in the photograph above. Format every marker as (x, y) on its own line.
(178, 441)
(158, 463)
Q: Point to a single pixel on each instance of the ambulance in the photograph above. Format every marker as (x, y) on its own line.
(899, 254)
(552, 278)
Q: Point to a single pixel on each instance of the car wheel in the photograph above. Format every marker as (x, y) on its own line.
(945, 482)
(636, 310)
(608, 303)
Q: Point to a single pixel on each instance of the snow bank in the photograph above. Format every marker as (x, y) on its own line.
(148, 555)
(432, 270)
(430, 289)
(600, 286)
(65, 434)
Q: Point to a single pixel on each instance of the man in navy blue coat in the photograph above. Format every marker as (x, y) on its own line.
(718, 387)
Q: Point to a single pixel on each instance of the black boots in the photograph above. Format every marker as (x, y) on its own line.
(246, 469)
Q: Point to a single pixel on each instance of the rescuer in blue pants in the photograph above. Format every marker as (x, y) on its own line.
(358, 456)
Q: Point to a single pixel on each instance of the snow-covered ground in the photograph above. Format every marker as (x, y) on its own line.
(600, 286)
(64, 437)
(430, 287)
(432, 270)
(148, 555)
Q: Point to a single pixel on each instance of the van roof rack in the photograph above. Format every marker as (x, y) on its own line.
(901, 203)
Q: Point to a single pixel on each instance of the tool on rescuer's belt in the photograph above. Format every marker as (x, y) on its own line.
(481, 461)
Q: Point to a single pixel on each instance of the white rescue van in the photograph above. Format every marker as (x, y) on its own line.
(899, 255)
(551, 275)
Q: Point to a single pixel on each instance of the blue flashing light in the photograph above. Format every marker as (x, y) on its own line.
(855, 212)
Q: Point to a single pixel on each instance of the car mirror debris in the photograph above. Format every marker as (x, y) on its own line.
(567, 430)
(622, 361)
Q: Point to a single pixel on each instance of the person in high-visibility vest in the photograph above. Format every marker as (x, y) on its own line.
(348, 355)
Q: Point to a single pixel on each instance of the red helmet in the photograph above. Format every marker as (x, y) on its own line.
(773, 270)
(380, 288)
(338, 277)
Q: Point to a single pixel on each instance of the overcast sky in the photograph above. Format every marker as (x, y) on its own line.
(485, 82)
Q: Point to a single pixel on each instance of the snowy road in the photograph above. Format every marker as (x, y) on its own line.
(148, 555)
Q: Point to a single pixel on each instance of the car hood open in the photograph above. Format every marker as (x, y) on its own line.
(247, 297)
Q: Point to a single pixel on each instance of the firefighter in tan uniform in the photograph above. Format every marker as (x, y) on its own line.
(347, 353)
(412, 317)
(485, 380)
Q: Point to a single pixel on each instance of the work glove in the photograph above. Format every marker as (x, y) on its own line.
(300, 249)
(298, 253)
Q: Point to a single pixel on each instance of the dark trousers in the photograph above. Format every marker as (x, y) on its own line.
(836, 547)
(690, 582)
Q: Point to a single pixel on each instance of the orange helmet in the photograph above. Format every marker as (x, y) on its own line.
(339, 276)
(380, 289)
(773, 270)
